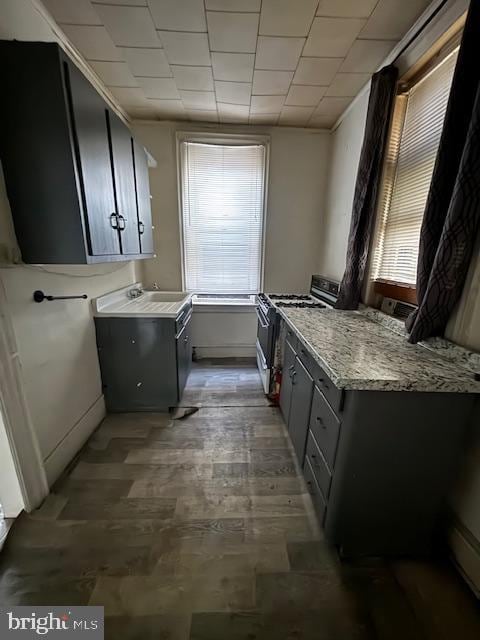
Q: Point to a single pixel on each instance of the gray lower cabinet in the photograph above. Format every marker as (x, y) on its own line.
(302, 387)
(379, 465)
(144, 362)
(286, 388)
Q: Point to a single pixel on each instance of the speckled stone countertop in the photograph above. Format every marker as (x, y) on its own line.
(359, 353)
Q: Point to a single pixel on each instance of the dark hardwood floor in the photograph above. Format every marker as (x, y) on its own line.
(202, 529)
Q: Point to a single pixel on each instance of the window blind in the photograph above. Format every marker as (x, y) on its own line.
(408, 172)
(222, 211)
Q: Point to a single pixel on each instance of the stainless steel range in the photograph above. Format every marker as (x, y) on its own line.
(323, 295)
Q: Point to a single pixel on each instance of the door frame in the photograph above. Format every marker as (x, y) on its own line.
(21, 436)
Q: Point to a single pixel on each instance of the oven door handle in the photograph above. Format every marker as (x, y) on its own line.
(261, 319)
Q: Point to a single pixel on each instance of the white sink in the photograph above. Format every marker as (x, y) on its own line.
(150, 304)
(165, 296)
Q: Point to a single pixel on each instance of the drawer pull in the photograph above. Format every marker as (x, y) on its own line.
(313, 455)
(321, 422)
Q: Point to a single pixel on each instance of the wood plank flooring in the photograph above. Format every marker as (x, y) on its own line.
(202, 529)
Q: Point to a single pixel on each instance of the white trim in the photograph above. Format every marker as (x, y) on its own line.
(18, 425)
(71, 444)
(445, 18)
(222, 138)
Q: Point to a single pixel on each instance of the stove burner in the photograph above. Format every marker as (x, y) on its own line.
(289, 296)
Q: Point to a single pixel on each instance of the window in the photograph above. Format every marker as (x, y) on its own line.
(222, 204)
(415, 135)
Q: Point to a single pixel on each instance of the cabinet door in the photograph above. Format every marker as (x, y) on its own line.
(92, 145)
(143, 198)
(124, 175)
(286, 388)
(184, 359)
(302, 391)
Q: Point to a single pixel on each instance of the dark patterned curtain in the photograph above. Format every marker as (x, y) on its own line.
(380, 105)
(452, 213)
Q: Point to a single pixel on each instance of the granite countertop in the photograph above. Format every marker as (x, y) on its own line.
(359, 353)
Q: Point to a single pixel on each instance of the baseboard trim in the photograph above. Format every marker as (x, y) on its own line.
(466, 554)
(226, 352)
(71, 444)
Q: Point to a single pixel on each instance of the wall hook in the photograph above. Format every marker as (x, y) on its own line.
(39, 296)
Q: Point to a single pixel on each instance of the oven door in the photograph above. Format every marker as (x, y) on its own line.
(264, 336)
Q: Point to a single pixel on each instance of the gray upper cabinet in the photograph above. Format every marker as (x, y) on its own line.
(124, 174)
(77, 181)
(90, 124)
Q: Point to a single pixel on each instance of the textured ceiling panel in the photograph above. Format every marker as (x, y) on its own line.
(286, 62)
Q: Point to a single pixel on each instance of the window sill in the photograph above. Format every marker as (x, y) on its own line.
(396, 290)
(219, 305)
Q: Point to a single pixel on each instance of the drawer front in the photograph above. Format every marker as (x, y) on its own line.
(306, 357)
(326, 386)
(183, 318)
(325, 427)
(315, 491)
(318, 465)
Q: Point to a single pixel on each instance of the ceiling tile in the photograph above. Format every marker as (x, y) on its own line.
(331, 108)
(114, 74)
(129, 26)
(346, 8)
(235, 32)
(168, 108)
(263, 118)
(304, 96)
(234, 5)
(142, 113)
(94, 43)
(287, 17)
(178, 15)
(367, 55)
(73, 11)
(278, 53)
(203, 100)
(203, 116)
(266, 104)
(194, 78)
(233, 92)
(164, 88)
(147, 62)
(321, 121)
(129, 96)
(237, 67)
(298, 116)
(347, 84)
(233, 112)
(186, 48)
(391, 19)
(332, 37)
(316, 71)
(271, 82)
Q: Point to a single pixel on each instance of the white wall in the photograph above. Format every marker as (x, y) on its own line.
(297, 182)
(298, 172)
(11, 499)
(345, 153)
(56, 344)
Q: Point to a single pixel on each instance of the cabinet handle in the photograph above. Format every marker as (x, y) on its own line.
(114, 221)
(321, 422)
(186, 339)
(294, 373)
(141, 228)
(121, 221)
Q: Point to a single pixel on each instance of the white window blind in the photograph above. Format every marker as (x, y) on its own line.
(410, 161)
(222, 210)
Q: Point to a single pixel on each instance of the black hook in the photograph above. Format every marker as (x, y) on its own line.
(39, 296)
